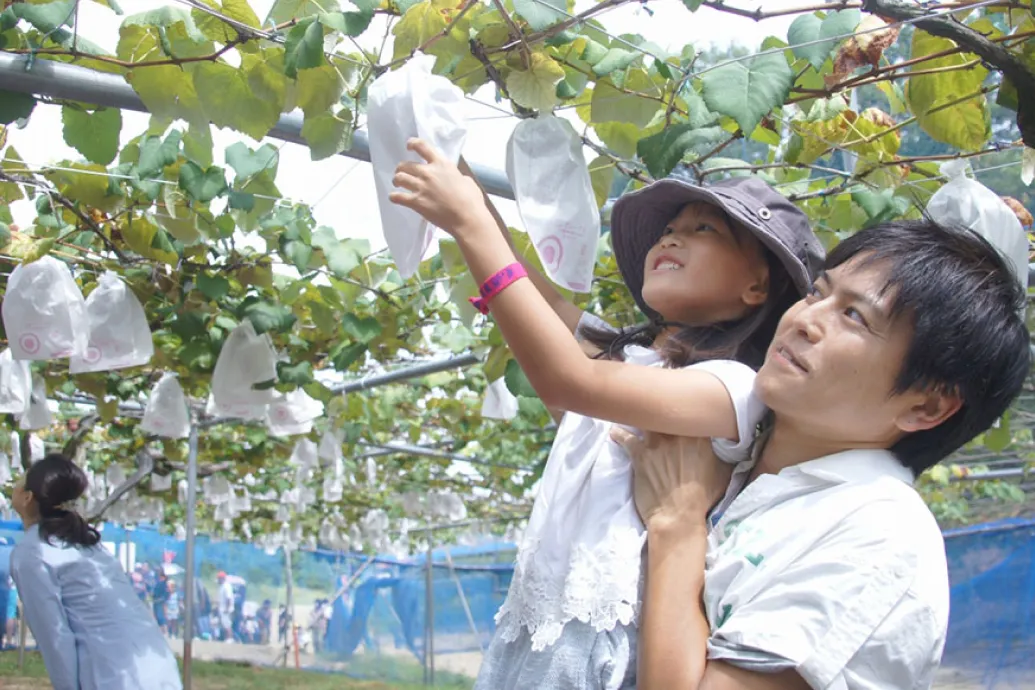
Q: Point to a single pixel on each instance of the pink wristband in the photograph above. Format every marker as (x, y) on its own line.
(496, 283)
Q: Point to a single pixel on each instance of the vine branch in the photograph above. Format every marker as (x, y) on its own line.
(999, 58)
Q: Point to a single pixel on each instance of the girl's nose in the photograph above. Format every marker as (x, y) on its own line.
(669, 240)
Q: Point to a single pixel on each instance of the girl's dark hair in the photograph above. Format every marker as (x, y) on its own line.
(56, 481)
(745, 339)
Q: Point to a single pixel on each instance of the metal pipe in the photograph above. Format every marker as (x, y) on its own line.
(70, 82)
(188, 581)
(430, 453)
(423, 369)
(1009, 473)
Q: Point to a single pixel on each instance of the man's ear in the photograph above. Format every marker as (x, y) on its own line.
(930, 410)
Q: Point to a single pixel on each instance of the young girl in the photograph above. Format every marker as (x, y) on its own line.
(714, 269)
(93, 631)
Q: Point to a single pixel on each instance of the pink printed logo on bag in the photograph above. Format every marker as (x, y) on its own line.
(552, 251)
(30, 342)
(92, 355)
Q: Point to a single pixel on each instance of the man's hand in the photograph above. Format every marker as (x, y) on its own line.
(677, 480)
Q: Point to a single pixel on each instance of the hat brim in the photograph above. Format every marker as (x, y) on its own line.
(639, 219)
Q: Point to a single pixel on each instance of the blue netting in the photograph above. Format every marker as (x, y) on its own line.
(991, 640)
(378, 627)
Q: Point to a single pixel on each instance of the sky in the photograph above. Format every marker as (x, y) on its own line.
(341, 190)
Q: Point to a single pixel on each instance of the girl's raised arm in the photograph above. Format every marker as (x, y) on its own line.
(568, 312)
(685, 402)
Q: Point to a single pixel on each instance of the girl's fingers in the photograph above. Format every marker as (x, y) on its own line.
(406, 181)
(423, 149)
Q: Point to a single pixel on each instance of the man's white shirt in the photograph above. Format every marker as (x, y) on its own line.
(835, 568)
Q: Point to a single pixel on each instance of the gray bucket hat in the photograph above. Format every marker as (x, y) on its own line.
(639, 218)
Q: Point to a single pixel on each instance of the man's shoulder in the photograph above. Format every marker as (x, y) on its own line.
(893, 509)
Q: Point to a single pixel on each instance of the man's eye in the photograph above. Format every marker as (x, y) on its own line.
(855, 315)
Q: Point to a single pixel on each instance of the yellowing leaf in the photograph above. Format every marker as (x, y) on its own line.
(12, 164)
(496, 363)
(167, 91)
(258, 275)
(860, 134)
(107, 408)
(965, 125)
(218, 30)
(95, 135)
(636, 104)
(327, 134)
(318, 89)
(537, 87)
(37, 249)
(285, 10)
(266, 76)
(421, 23)
(85, 183)
(139, 233)
(601, 174)
(469, 74)
(228, 100)
(177, 218)
(619, 137)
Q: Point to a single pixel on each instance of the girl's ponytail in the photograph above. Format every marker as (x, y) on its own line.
(56, 483)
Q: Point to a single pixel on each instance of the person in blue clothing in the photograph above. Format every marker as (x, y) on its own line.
(93, 631)
(11, 624)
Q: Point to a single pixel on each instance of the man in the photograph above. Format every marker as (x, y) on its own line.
(820, 566)
(226, 607)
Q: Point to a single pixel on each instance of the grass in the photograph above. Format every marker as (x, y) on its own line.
(218, 676)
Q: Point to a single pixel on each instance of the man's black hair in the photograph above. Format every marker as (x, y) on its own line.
(965, 306)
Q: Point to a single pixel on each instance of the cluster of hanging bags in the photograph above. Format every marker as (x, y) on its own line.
(46, 317)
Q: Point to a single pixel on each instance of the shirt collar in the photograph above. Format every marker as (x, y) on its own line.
(644, 356)
(854, 466)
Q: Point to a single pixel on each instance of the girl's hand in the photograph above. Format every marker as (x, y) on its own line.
(438, 191)
(676, 480)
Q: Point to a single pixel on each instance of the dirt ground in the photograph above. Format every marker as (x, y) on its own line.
(465, 663)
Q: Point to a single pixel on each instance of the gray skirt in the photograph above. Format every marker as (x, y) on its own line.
(581, 659)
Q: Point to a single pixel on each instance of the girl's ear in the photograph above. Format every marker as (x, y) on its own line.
(757, 292)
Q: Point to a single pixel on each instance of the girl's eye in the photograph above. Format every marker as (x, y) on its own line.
(668, 231)
(704, 227)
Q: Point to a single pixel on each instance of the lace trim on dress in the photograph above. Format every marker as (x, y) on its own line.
(601, 587)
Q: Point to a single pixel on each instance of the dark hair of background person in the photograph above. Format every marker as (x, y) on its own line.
(56, 481)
